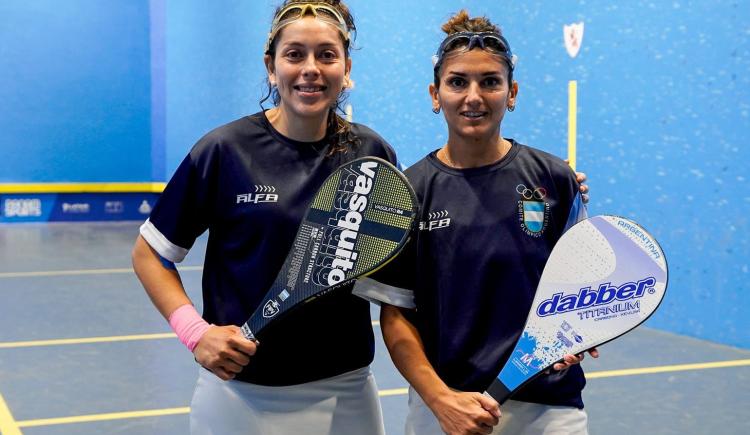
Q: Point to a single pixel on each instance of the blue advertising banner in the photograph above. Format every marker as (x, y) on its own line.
(75, 207)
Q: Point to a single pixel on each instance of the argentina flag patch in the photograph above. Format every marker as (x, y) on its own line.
(533, 212)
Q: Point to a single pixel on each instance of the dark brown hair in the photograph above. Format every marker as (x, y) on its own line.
(462, 22)
(338, 130)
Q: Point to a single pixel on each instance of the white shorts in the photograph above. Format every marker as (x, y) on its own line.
(342, 405)
(520, 418)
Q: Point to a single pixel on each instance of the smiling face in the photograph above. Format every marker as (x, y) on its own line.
(309, 68)
(474, 94)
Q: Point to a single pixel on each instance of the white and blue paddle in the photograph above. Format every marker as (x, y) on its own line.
(605, 276)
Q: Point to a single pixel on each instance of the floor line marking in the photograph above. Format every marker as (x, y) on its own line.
(382, 393)
(8, 426)
(89, 340)
(393, 392)
(103, 417)
(669, 368)
(64, 341)
(83, 272)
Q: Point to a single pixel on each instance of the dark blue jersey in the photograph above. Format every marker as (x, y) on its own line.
(250, 187)
(474, 265)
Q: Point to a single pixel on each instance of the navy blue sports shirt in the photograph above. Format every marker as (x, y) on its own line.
(250, 187)
(472, 270)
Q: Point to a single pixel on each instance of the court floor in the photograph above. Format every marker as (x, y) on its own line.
(82, 351)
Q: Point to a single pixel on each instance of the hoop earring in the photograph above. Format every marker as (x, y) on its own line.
(436, 110)
(511, 108)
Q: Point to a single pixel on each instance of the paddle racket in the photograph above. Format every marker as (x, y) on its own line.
(359, 219)
(605, 276)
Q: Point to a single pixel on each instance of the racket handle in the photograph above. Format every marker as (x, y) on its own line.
(247, 332)
(498, 391)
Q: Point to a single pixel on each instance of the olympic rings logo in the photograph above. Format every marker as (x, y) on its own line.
(538, 193)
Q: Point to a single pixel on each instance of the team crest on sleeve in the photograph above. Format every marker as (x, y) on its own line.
(533, 210)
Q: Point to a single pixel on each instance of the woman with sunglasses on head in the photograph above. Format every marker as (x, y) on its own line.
(456, 299)
(311, 372)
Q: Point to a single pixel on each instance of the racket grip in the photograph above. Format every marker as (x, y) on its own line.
(247, 332)
(499, 391)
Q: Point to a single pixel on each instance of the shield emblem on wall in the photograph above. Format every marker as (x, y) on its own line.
(533, 215)
(573, 37)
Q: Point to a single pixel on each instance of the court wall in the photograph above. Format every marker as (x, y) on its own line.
(95, 94)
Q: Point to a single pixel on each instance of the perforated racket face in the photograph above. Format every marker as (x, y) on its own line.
(359, 219)
(605, 276)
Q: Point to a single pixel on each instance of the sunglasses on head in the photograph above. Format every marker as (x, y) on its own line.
(297, 11)
(467, 41)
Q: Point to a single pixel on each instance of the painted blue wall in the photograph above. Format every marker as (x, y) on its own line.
(214, 69)
(663, 90)
(663, 112)
(74, 91)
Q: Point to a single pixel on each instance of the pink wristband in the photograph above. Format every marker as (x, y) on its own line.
(188, 325)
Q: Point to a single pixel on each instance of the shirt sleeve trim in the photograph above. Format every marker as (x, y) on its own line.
(161, 244)
(377, 292)
(577, 212)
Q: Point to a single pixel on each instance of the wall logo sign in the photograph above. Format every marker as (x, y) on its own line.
(573, 37)
(76, 207)
(144, 208)
(112, 207)
(22, 207)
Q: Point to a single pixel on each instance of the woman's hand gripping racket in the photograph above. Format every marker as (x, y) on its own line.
(605, 276)
(360, 219)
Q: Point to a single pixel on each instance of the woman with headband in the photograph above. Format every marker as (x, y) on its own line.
(456, 299)
(311, 372)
